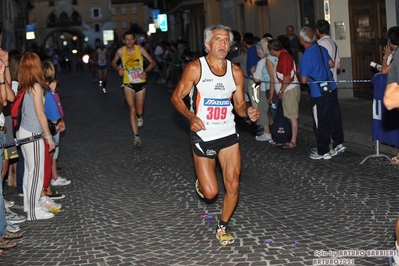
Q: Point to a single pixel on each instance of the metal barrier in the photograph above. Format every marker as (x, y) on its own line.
(385, 123)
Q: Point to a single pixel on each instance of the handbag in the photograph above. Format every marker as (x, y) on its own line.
(324, 86)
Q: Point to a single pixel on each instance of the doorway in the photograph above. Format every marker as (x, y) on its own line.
(368, 38)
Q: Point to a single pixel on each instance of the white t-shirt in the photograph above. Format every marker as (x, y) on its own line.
(158, 50)
(330, 45)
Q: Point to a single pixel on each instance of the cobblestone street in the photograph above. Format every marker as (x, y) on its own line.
(138, 206)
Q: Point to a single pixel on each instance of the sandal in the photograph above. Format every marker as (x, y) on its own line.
(11, 235)
(289, 145)
(4, 244)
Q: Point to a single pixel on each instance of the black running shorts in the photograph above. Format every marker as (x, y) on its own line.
(210, 149)
(137, 87)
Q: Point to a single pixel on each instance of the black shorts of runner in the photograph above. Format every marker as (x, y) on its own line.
(210, 149)
(137, 87)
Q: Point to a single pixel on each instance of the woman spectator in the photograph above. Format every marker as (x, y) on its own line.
(261, 75)
(33, 122)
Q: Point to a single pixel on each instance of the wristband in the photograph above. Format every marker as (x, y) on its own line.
(2, 83)
(7, 66)
(48, 138)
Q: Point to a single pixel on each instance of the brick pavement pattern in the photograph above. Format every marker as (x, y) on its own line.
(138, 206)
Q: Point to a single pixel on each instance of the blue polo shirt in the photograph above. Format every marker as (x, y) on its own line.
(312, 65)
(252, 59)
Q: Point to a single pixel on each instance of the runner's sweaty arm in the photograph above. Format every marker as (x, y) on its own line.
(190, 77)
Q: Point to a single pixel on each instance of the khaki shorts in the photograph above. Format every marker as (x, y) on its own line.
(291, 102)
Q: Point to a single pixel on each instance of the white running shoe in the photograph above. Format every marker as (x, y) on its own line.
(316, 156)
(50, 204)
(137, 141)
(338, 150)
(14, 218)
(46, 215)
(264, 137)
(8, 203)
(140, 121)
(60, 181)
(13, 228)
(104, 90)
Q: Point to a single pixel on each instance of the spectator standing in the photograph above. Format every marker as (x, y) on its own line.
(314, 66)
(252, 60)
(286, 87)
(33, 122)
(324, 39)
(296, 47)
(262, 76)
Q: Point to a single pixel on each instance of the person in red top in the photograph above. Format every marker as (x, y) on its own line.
(286, 86)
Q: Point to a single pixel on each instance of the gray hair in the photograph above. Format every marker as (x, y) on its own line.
(307, 34)
(208, 33)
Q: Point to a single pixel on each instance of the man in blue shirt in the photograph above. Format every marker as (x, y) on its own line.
(252, 61)
(315, 66)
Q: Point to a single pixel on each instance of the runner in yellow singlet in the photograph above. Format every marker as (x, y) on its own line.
(134, 79)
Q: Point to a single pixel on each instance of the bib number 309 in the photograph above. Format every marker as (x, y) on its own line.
(216, 113)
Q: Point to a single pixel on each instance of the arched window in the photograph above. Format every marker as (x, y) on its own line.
(75, 17)
(64, 17)
(51, 19)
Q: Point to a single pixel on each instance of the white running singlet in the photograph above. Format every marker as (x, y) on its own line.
(210, 100)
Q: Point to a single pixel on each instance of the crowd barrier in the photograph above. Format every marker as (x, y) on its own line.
(385, 122)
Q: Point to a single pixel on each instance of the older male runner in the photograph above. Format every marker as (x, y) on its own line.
(215, 86)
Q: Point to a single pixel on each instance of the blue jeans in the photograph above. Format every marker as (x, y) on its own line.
(3, 222)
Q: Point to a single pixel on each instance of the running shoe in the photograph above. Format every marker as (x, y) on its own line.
(338, 150)
(60, 181)
(8, 203)
(316, 156)
(224, 237)
(197, 188)
(137, 141)
(264, 137)
(14, 218)
(50, 205)
(140, 121)
(13, 228)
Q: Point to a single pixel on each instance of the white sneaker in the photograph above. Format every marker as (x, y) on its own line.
(8, 203)
(338, 150)
(137, 141)
(14, 218)
(60, 181)
(48, 203)
(264, 137)
(13, 228)
(317, 156)
(140, 121)
(46, 215)
(104, 90)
